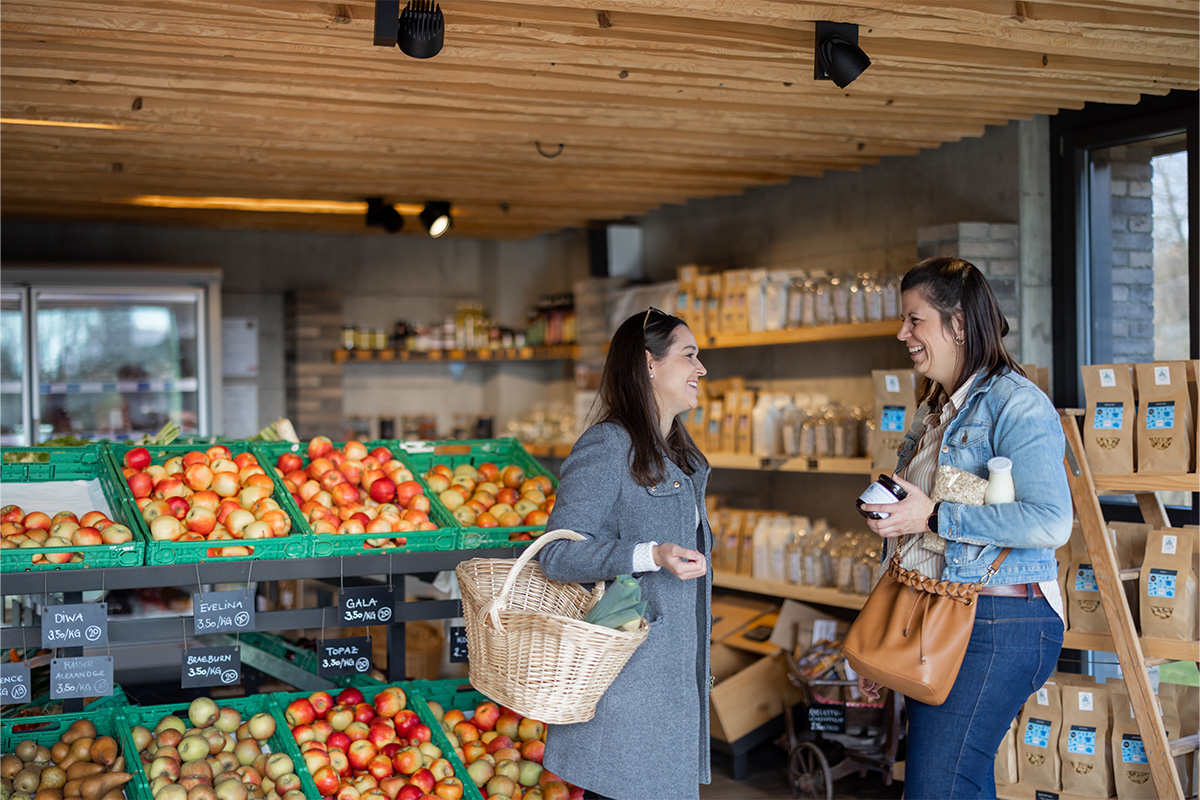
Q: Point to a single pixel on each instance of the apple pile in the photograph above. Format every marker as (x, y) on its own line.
(215, 755)
(353, 491)
(37, 529)
(206, 495)
(379, 750)
(503, 753)
(490, 496)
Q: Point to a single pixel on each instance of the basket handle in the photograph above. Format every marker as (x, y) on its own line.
(501, 599)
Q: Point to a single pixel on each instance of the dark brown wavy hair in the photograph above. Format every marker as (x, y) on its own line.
(954, 286)
(627, 398)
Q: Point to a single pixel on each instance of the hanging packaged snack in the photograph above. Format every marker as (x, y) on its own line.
(1109, 425)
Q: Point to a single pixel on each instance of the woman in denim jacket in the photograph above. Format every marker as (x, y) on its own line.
(976, 405)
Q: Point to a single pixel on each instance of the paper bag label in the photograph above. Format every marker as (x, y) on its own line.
(1162, 376)
(1133, 751)
(1043, 697)
(1108, 416)
(1037, 733)
(1085, 579)
(1162, 583)
(1081, 739)
(1108, 377)
(1085, 701)
(892, 419)
(1160, 415)
(891, 383)
(1169, 544)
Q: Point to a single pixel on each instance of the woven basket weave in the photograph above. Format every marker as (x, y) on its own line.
(529, 647)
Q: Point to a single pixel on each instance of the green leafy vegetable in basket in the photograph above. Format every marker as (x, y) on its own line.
(621, 607)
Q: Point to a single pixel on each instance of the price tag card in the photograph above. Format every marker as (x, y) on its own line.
(367, 605)
(348, 656)
(1037, 733)
(830, 719)
(15, 683)
(86, 676)
(222, 612)
(1081, 739)
(458, 644)
(75, 625)
(1042, 794)
(211, 666)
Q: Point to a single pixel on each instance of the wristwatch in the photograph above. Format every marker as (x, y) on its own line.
(932, 522)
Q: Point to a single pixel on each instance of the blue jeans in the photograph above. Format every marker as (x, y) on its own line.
(951, 749)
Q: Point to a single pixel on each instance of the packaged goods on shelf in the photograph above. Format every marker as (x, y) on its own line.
(1109, 426)
(1168, 585)
(1038, 763)
(553, 424)
(895, 405)
(1164, 419)
(1005, 770)
(1084, 746)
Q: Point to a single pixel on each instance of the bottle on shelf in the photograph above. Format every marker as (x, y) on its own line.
(348, 336)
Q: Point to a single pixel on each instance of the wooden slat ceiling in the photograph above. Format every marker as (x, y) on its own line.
(653, 101)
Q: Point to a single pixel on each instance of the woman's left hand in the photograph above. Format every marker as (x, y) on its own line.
(907, 516)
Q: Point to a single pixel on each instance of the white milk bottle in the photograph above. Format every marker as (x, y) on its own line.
(1000, 487)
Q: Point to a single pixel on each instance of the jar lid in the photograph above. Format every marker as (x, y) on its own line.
(999, 464)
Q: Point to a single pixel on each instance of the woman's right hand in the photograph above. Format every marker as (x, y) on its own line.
(679, 561)
(869, 688)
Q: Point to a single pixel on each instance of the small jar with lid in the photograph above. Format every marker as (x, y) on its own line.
(883, 491)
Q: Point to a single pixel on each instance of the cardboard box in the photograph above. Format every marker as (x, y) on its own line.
(732, 613)
(799, 625)
(763, 648)
(751, 690)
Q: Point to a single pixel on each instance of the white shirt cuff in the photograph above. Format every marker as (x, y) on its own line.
(643, 557)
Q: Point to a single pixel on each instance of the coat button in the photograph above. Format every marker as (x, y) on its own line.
(945, 449)
(654, 488)
(676, 484)
(964, 439)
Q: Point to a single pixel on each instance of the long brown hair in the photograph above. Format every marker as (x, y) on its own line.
(627, 398)
(954, 286)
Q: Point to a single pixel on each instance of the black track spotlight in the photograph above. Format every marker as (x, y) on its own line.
(436, 217)
(422, 29)
(383, 215)
(838, 56)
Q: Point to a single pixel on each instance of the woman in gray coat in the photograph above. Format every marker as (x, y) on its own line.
(634, 485)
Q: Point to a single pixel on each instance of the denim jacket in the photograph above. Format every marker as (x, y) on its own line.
(1010, 416)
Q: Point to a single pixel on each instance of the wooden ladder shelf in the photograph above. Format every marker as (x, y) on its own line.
(1128, 647)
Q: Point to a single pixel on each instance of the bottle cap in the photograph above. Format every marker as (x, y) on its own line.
(999, 464)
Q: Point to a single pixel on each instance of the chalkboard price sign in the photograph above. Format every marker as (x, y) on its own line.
(1042, 794)
(15, 683)
(222, 612)
(367, 605)
(86, 676)
(458, 644)
(828, 719)
(348, 656)
(211, 666)
(75, 625)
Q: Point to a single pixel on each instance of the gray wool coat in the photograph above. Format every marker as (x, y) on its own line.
(649, 738)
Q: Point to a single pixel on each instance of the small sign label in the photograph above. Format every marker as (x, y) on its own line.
(1085, 579)
(458, 644)
(222, 612)
(211, 666)
(892, 418)
(367, 605)
(1169, 544)
(1085, 701)
(1162, 583)
(1160, 415)
(828, 719)
(1108, 416)
(86, 676)
(1108, 378)
(15, 683)
(1042, 794)
(891, 383)
(348, 656)
(75, 625)
(1162, 376)
(1037, 733)
(1043, 697)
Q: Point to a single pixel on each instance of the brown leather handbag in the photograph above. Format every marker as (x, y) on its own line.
(912, 632)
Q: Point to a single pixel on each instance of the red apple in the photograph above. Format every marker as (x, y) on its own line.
(140, 484)
(382, 490)
(424, 779)
(300, 712)
(137, 458)
(380, 767)
(404, 720)
(326, 780)
(390, 702)
(420, 733)
(338, 740)
(408, 760)
(486, 714)
(499, 743)
(360, 754)
(364, 712)
(357, 730)
(530, 729)
(289, 462)
(381, 735)
(533, 750)
(449, 788)
(319, 447)
(303, 732)
(321, 702)
(339, 761)
(409, 792)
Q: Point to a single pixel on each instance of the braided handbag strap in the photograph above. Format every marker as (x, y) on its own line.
(955, 589)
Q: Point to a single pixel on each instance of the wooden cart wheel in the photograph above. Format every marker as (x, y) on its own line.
(809, 773)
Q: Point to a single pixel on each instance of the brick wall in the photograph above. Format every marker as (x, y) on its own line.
(992, 247)
(1132, 252)
(315, 391)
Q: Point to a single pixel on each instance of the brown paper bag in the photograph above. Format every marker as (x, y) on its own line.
(1085, 612)
(1006, 757)
(1185, 700)
(895, 404)
(1168, 585)
(1084, 744)
(1129, 548)
(1164, 422)
(1109, 428)
(1038, 763)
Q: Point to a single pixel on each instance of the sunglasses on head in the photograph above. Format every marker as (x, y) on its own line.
(651, 312)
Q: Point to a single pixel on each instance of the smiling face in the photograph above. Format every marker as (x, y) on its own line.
(930, 343)
(675, 375)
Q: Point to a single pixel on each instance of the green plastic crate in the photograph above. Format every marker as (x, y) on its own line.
(42, 704)
(305, 659)
(453, 452)
(446, 537)
(46, 730)
(279, 742)
(88, 462)
(294, 545)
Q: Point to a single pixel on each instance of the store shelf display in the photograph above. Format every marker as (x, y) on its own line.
(221, 499)
(23, 550)
(344, 491)
(520, 482)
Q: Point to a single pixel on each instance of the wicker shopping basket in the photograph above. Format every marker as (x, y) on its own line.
(530, 648)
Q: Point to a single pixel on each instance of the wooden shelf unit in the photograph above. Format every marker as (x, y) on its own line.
(1130, 649)
(566, 352)
(831, 466)
(820, 333)
(805, 594)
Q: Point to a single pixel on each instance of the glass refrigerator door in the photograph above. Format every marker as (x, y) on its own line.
(118, 364)
(14, 411)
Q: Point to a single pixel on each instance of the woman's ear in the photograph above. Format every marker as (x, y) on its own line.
(650, 363)
(959, 324)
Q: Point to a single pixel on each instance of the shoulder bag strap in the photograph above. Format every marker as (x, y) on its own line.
(987, 576)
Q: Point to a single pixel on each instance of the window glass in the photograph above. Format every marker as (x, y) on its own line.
(12, 369)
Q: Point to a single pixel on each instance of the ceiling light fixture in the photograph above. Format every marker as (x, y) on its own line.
(838, 57)
(420, 29)
(51, 123)
(383, 215)
(436, 217)
(275, 204)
